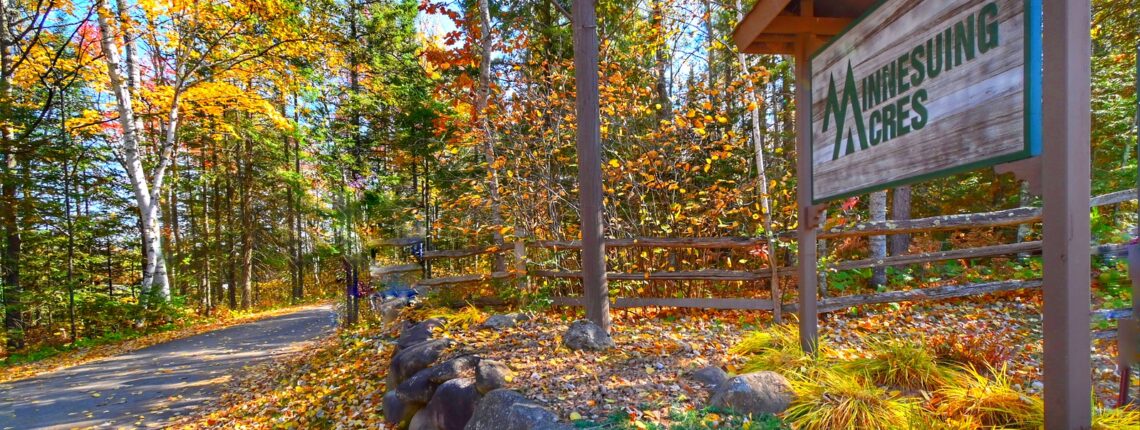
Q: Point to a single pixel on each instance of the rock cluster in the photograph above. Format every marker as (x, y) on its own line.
(464, 392)
(584, 334)
(752, 393)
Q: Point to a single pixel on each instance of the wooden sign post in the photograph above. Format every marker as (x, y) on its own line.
(589, 142)
(917, 89)
(1065, 175)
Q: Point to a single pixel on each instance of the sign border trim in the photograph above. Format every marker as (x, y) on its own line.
(1032, 98)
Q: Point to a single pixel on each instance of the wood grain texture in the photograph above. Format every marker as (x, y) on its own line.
(976, 109)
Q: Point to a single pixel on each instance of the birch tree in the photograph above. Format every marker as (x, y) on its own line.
(195, 45)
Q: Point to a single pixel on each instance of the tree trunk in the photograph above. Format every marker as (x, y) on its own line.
(154, 280)
(757, 120)
(13, 309)
(878, 243)
(661, 61)
(246, 257)
(481, 105)
(900, 211)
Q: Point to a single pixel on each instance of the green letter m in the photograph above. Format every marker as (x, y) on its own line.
(838, 109)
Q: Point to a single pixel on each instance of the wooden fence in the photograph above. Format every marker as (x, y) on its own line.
(548, 260)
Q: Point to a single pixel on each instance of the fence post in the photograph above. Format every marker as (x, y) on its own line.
(520, 265)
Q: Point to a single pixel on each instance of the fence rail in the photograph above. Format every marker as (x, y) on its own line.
(1002, 218)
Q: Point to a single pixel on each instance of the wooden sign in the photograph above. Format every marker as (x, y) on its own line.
(916, 89)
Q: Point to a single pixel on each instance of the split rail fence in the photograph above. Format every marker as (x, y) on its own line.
(737, 261)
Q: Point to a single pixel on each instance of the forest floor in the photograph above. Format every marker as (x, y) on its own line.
(643, 380)
(149, 386)
(73, 357)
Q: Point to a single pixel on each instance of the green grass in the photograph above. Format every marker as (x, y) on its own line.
(699, 419)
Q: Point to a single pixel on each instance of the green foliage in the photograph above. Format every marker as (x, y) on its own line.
(688, 419)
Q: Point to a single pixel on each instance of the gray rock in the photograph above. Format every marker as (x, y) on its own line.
(420, 386)
(754, 394)
(503, 321)
(491, 375)
(504, 409)
(711, 376)
(418, 333)
(584, 334)
(390, 309)
(398, 412)
(453, 404)
(414, 359)
(422, 421)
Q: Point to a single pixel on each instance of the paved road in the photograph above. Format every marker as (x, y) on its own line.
(147, 387)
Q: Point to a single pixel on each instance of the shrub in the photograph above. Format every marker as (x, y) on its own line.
(837, 400)
(990, 401)
(902, 363)
(972, 351)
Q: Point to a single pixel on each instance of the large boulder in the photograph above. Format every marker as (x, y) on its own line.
(409, 361)
(452, 405)
(710, 377)
(397, 411)
(420, 386)
(503, 321)
(491, 375)
(390, 309)
(584, 334)
(504, 409)
(418, 333)
(754, 394)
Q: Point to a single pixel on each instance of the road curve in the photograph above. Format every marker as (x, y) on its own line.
(146, 388)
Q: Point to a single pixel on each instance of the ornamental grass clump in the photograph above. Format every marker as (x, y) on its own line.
(1113, 419)
(990, 401)
(903, 364)
(842, 400)
(778, 349)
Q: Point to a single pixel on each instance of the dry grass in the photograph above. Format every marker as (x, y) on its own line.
(989, 401)
(903, 364)
(840, 400)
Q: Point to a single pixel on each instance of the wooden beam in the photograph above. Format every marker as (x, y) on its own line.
(920, 294)
(463, 279)
(1065, 183)
(756, 21)
(384, 270)
(785, 24)
(589, 144)
(697, 303)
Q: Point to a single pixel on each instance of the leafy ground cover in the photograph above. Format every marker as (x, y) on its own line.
(961, 364)
(50, 359)
(337, 383)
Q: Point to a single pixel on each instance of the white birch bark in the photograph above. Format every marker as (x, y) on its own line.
(761, 168)
(879, 243)
(129, 154)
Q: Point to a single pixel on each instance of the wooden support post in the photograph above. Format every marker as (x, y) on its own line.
(590, 163)
(1065, 156)
(809, 324)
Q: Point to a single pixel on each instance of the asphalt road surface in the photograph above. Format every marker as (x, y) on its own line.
(146, 388)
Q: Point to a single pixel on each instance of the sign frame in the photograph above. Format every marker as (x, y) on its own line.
(1032, 98)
